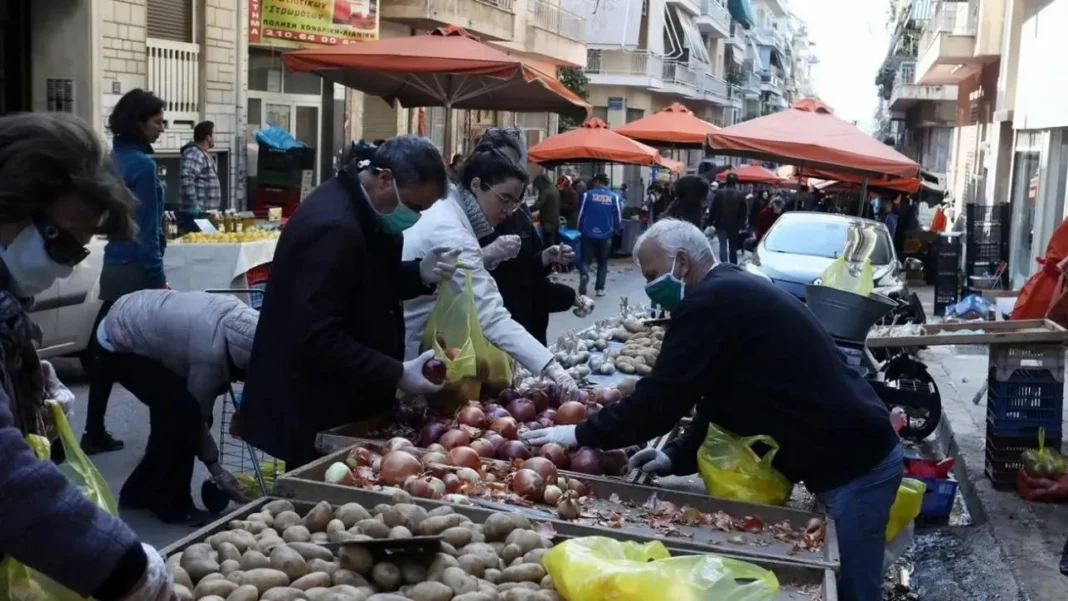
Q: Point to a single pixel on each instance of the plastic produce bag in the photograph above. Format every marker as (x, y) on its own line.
(21, 583)
(906, 507)
(1042, 462)
(732, 470)
(844, 276)
(599, 569)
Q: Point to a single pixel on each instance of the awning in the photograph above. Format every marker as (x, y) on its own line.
(593, 142)
(676, 126)
(693, 36)
(742, 12)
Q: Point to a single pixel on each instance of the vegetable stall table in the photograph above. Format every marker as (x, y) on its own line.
(214, 266)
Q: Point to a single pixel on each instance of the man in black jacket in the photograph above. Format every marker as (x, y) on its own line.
(330, 342)
(732, 350)
(727, 214)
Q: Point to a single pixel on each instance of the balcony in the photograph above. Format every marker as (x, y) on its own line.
(680, 78)
(906, 95)
(491, 20)
(715, 19)
(737, 39)
(737, 97)
(174, 75)
(771, 82)
(947, 44)
(691, 6)
(639, 68)
(715, 90)
(556, 34)
(752, 85)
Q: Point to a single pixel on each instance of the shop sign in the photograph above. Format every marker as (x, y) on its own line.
(311, 22)
(615, 103)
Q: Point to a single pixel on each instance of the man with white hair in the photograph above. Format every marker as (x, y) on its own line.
(755, 361)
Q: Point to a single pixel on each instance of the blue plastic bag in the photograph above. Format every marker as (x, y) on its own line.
(278, 138)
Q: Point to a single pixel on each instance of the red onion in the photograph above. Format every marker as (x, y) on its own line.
(570, 413)
(583, 396)
(464, 457)
(554, 395)
(452, 482)
(497, 412)
(484, 448)
(472, 416)
(539, 398)
(513, 449)
(454, 438)
(587, 460)
(544, 467)
(506, 427)
(555, 453)
(496, 440)
(508, 395)
(397, 443)
(611, 395)
(426, 487)
(432, 457)
(614, 463)
(528, 484)
(533, 426)
(431, 433)
(397, 467)
(434, 370)
(522, 409)
(549, 414)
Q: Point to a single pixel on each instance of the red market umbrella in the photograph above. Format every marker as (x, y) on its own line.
(809, 135)
(676, 126)
(752, 174)
(593, 142)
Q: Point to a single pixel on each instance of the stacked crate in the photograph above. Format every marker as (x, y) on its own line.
(1025, 392)
(947, 271)
(987, 243)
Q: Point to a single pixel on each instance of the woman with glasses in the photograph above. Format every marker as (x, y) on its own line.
(57, 189)
(490, 189)
(136, 123)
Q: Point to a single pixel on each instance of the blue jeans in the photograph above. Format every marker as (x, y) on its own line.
(594, 249)
(861, 510)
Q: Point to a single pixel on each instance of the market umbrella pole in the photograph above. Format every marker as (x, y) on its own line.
(863, 197)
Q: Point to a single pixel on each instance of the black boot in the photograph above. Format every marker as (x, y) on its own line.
(94, 443)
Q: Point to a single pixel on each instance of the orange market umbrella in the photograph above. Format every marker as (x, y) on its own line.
(672, 165)
(809, 135)
(676, 125)
(593, 142)
(752, 174)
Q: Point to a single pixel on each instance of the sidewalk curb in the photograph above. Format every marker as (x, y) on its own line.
(946, 444)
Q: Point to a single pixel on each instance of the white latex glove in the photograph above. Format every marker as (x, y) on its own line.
(439, 264)
(559, 375)
(584, 305)
(561, 435)
(412, 380)
(651, 461)
(561, 254)
(55, 390)
(504, 248)
(156, 584)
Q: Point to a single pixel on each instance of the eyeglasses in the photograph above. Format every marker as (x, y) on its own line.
(62, 246)
(508, 204)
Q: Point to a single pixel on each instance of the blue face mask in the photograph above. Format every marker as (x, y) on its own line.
(400, 219)
(666, 290)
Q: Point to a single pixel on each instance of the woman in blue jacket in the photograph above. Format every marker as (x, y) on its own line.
(136, 123)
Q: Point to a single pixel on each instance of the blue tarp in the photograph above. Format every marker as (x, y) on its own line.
(742, 12)
(278, 138)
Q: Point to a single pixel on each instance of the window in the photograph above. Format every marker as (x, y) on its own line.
(267, 73)
(822, 238)
(170, 20)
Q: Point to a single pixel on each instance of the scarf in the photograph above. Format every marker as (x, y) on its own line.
(21, 378)
(474, 213)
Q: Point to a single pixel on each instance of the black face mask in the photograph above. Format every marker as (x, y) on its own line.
(61, 245)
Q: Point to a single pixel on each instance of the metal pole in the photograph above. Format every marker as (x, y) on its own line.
(863, 196)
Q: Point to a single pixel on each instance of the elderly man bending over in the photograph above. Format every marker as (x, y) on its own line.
(755, 361)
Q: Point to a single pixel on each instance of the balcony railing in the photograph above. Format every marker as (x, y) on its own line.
(950, 18)
(622, 62)
(771, 79)
(714, 86)
(715, 10)
(505, 5)
(679, 73)
(174, 75)
(550, 17)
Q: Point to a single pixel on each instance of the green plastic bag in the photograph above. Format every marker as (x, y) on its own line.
(21, 583)
(598, 568)
(455, 335)
(732, 470)
(1042, 462)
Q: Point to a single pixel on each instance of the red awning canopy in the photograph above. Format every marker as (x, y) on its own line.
(676, 126)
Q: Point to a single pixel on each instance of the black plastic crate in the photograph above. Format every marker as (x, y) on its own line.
(985, 253)
(990, 214)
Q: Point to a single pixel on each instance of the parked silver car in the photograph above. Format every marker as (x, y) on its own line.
(67, 312)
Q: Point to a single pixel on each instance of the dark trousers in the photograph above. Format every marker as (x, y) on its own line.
(594, 249)
(728, 245)
(101, 382)
(161, 481)
(548, 238)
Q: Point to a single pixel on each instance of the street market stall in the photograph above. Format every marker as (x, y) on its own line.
(751, 174)
(676, 126)
(208, 266)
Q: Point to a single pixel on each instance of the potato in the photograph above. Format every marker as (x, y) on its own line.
(319, 537)
(181, 577)
(457, 536)
(438, 565)
(269, 532)
(380, 508)
(348, 593)
(317, 594)
(386, 575)
(547, 583)
(350, 513)
(253, 559)
(440, 511)
(527, 572)
(499, 525)
(229, 566)
(413, 515)
(357, 559)
(534, 556)
(284, 593)
(267, 544)
(264, 579)
(474, 597)
(392, 517)
(412, 573)
(527, 540)
(278, 506)
(431, 591)
(241, 539)
(335, 525)
(449, 549)
(345, 577)
(235, 576)
(244, 593)
(399, 532)
(173, 560)
(249, 526)
(510, 554)
(520, 594)
(511, 586)
(312, 580)
(387, 597)
(288, 561)
(286, 519)
(473, 565)
(342, 537)
(644, 370)
(198, 567)
(497, 548)
(227, 550)
(183, 594)
(437, 525)
(401, 496)
(222, 588)
(459, 581)
(373, 528)
(318, 517)
(312, 551)
(487, 587)
(489, 555)
(321, 565)
(265, 517)
(296, 534)
(492, 575)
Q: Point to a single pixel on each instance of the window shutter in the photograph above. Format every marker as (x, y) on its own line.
(170, 20)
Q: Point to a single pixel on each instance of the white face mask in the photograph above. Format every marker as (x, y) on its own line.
(32, 270)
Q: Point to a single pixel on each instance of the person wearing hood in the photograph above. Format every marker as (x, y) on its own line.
(176, 352)
(489, 192)
(200, 191)
(568, 201)
(548, 208)
(58, 188)
(329, 346)
(833, 431)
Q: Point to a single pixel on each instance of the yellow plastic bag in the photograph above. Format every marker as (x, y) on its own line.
(21, 583)
(603, 569)
(843, 276)
(455, 335)
(732, 470)
(906, 506)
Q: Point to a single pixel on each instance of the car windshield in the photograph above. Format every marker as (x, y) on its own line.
(821, 238)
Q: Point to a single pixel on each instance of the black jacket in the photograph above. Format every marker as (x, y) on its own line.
(728, 210)
(732, 350)
(330, 339)
(527, 292)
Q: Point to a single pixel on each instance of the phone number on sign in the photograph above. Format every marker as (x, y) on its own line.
(297, 36)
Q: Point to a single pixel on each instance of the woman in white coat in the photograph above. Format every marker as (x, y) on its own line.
(490, 189)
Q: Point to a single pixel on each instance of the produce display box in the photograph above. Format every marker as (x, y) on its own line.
(617, 511)
(1021, 332)
(797, 582)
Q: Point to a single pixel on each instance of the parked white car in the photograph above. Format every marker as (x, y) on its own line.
(67, 312)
